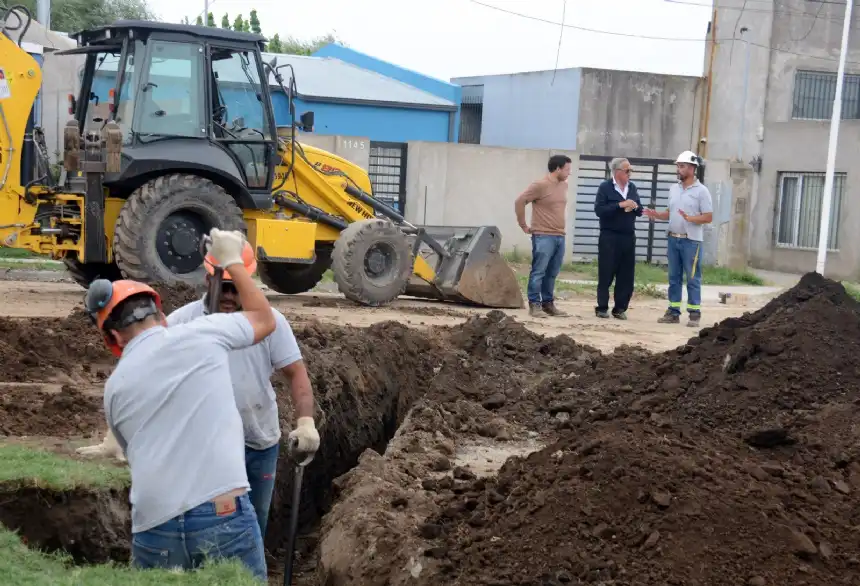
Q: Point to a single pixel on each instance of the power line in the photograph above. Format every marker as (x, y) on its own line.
(774, 11)
(651, 38)
(560, 36)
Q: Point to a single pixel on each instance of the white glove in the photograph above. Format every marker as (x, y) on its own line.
(227, 246)
(306, 437)
(109, 448)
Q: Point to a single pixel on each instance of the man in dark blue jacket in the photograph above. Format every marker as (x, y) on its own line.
(617, 205)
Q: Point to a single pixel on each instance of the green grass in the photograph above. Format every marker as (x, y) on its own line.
(17, 253)
(27, 466)
(657, 274)
(30, 266)
(21, 566)
(590, 289)
(852, 289)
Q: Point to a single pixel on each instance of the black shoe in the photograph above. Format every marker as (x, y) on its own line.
(601, 314)
(619, 314)
(670, 318)
(695, 320)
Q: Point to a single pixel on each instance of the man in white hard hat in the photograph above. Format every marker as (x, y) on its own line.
(690, 208)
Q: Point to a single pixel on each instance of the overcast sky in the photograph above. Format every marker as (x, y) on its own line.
(450, 38)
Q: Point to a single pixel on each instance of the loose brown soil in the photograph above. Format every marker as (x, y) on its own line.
(731, 460)
(27, 410)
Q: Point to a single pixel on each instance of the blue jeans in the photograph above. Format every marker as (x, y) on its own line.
(547, 255)
(685, 259)
(261, 466)
(188, 540)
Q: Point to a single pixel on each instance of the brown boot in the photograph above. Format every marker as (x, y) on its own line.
(695, 320)
(536, 311)
(669, 318)
(551, 309)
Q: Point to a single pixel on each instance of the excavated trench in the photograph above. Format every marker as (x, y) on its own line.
(364, 380)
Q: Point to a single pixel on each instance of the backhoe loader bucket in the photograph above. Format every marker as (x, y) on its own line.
(474, 271)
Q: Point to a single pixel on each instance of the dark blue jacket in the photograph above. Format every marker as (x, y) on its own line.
(612, 217)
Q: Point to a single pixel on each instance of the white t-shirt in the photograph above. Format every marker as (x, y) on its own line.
(251, 371)
(169, 402)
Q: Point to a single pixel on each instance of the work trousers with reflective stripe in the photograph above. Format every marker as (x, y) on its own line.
(684, 259)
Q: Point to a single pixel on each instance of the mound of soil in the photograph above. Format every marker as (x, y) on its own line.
(628, 504)
(502, 365)
(759, 375)
(28, 410)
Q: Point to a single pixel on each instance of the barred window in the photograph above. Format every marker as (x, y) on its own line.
(799, 210)
(814, 92)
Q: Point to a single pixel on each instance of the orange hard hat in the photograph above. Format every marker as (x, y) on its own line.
(104, 296)
(248, 260)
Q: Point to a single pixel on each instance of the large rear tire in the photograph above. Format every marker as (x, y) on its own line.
(160, 227)
(84, 274)
(372, 262)
(292, 278)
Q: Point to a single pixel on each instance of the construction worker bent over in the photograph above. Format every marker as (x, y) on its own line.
(251, 371)
(169, 405)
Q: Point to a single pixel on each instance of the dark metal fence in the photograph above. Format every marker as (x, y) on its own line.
(387, 171)
(652, 177)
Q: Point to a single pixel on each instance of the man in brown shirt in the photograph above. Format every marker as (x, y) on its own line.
(548, 197)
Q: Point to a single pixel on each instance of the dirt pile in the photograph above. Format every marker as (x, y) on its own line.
(762, 375)
(499, 363)
(632, 505)
(30, 410)
(732, 460)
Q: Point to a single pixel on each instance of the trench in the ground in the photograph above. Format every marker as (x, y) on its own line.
(364, 396)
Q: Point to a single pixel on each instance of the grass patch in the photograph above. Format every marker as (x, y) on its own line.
(659, 274)
(852, 289)
(590, 289)
(21, 566)
(28, 466)
(17, 253)
(31, 266)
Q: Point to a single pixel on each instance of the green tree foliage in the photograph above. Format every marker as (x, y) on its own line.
(294, 46)
(210, 20)
(75, 15)
(274, 45)
(255, 23)
(225, 22)
(199, 21)
(240, 24)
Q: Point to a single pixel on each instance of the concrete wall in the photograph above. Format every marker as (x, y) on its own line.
(471, 185)
(534, 110)
(352, 148)
(625, 113)
(784, 144)
(437, 87)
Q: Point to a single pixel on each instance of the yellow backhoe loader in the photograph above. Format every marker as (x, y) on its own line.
(173, 134)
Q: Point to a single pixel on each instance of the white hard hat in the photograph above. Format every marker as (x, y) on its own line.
(689, 157)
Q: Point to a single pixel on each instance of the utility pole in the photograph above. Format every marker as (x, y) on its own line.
(835, 118)
(43, 13)
(744, 99)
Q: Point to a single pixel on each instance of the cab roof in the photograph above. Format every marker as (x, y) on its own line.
(123, 28)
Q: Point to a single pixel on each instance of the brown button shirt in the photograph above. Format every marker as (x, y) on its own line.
(548, 197)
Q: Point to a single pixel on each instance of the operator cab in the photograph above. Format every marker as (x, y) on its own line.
(177, 86)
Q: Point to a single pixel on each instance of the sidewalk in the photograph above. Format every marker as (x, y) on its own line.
(711, 293)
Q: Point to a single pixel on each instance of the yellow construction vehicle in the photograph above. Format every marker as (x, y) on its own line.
(173, 134)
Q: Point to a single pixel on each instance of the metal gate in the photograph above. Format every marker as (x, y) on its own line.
(387, 171)
(652, 177)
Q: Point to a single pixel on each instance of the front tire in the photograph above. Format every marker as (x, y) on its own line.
(292, 278)
(372, 262)
(159, 229)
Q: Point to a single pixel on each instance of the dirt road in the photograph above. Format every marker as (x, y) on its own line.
(35, 299)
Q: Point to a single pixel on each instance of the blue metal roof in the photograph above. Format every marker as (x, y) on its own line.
(330, 79)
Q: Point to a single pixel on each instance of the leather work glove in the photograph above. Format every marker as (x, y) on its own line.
(306, 438)
(227, 246)
(109, 448)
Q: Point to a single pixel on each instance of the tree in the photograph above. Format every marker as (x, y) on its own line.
(294, 46)
(225, 21)
(210, 20)
(255, 23)
(76, 15)
(274, 45)
(240, 24)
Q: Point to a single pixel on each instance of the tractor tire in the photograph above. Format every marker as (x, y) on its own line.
(293, 278)
(84, 274)
(159, 229)
(372, 262)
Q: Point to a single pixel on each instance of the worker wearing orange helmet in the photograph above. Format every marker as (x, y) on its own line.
(169, 405)
(251, 371)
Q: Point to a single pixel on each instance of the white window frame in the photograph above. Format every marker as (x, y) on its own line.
(781, 177)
